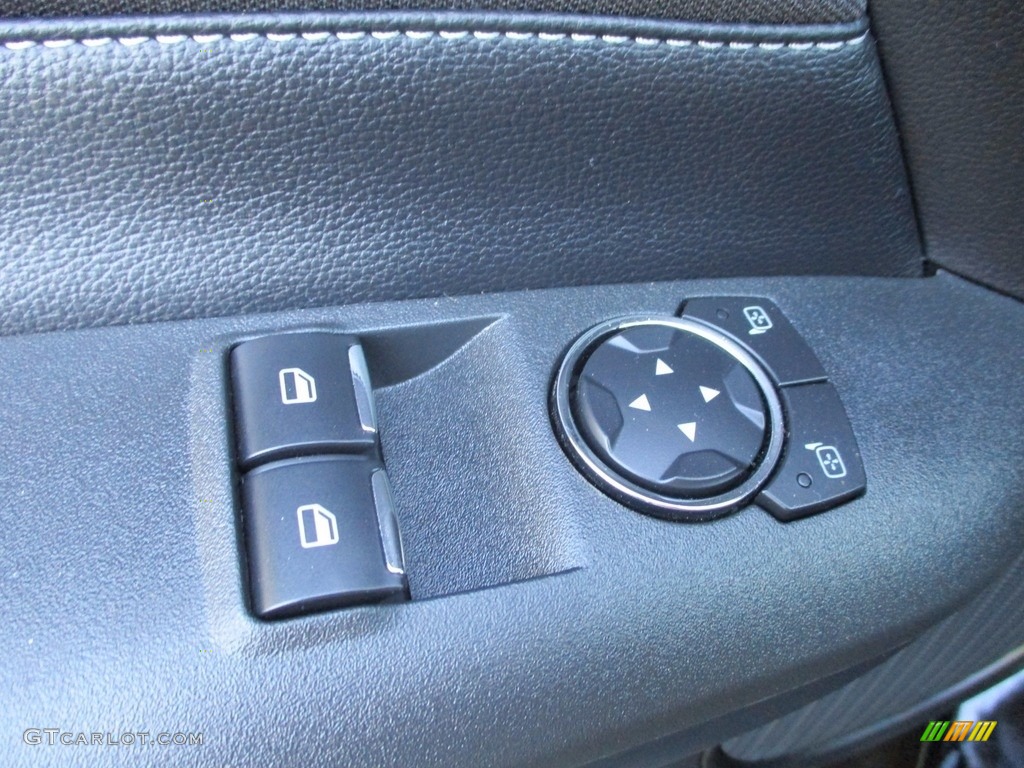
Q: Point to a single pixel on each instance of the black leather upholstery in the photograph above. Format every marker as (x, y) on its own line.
(957, 76)
(166, 178)
(746, 11)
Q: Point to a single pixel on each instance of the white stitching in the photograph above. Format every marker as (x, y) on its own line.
(552, 37)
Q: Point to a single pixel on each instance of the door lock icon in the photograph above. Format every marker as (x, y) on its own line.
(829, 458)
(758, 319)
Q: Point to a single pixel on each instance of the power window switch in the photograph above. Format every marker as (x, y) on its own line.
(822, 467)
(299, 394)
(321, 533)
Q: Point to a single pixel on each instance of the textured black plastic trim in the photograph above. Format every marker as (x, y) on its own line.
(564, 628)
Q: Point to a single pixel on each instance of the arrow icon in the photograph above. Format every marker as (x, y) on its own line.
(661, 368)
(709, 394)
(641, 403)
(689, 429)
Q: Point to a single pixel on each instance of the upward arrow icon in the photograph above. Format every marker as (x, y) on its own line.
(641, 403)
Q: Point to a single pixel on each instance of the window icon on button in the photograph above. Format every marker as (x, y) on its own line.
(318, 527)
(297, 386)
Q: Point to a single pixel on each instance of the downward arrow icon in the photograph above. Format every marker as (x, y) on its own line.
(689, 429)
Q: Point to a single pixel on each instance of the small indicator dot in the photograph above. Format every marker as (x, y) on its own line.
(803, 480)
(722, 314)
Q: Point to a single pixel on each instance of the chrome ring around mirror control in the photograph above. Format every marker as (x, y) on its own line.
(625, 490)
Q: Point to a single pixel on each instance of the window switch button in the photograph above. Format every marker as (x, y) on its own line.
(321, 533)
(301, 393)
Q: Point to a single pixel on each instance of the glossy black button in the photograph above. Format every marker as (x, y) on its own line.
(320, 533)
(301, 393)
(822, 466)
(672, 411)
(760, 325)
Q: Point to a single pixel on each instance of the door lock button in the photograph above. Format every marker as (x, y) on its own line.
(299, 394)
(760, 325)
(822, 466)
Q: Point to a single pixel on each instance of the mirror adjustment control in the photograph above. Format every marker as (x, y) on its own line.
(668, 415)
(321, 533)
(301, 393)
(760, 326)
(822, 466)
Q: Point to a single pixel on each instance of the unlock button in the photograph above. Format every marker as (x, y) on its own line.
(822, 466)
(301, 393)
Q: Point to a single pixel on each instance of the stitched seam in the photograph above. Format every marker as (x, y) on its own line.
(346, 36)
